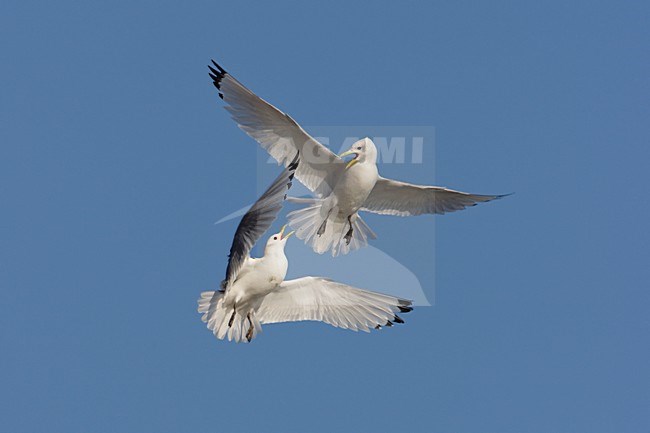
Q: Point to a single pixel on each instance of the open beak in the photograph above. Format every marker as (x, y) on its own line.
(282, 235)
(353, 160)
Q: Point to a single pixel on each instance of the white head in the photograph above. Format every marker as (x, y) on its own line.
(363, 150)
(277, 241)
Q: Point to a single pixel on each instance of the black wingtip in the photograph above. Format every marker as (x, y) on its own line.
(404, 305)
(293, 165)
(218, 88)
(484, 198)
(222, 70)
(497, 197)
(217, 75)
(397, 319)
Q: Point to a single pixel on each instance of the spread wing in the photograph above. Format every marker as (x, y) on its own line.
(340, 305)
(392, 197)
(278, 133)
(257, 221)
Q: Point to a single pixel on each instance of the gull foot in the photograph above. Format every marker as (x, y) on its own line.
(321, 229)
(348, 236)
(249, 334)
(232, 318)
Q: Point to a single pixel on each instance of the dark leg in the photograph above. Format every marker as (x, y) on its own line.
(232, 317)
(321, 229)
(323, 225)
(348, 235)
(249, 334)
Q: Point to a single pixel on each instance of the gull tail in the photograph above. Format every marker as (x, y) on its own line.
(324, 229)
(226, 321)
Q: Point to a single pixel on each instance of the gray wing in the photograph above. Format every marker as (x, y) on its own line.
(392, 197)
(324, 300)
(278, 133)
(257, 220)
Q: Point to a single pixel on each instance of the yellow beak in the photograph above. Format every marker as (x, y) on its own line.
(352, 162)
(282, 233)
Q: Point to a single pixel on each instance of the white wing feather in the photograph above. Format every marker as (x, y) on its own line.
(278, 133)
(392, 197)
(324, 300)
(257, 220)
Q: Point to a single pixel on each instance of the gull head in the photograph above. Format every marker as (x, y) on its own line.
(278, 240)
(363, 150)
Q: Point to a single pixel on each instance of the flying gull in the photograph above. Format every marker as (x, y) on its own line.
(255, 292)
(330, 220)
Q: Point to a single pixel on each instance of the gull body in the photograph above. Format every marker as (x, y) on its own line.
(259, 276)
(255, 291)
(330, 220)
(355, 183)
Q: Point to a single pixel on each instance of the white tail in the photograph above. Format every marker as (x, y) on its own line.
(308, 220)
(222, 323)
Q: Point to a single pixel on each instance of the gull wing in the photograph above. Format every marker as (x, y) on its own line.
(392, 197)
(257, 221)
(324, 300)
(278, 133)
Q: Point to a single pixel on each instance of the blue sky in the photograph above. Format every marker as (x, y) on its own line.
(116, 159)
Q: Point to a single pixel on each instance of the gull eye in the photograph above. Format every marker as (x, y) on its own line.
(359, 148)
(275, 238)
